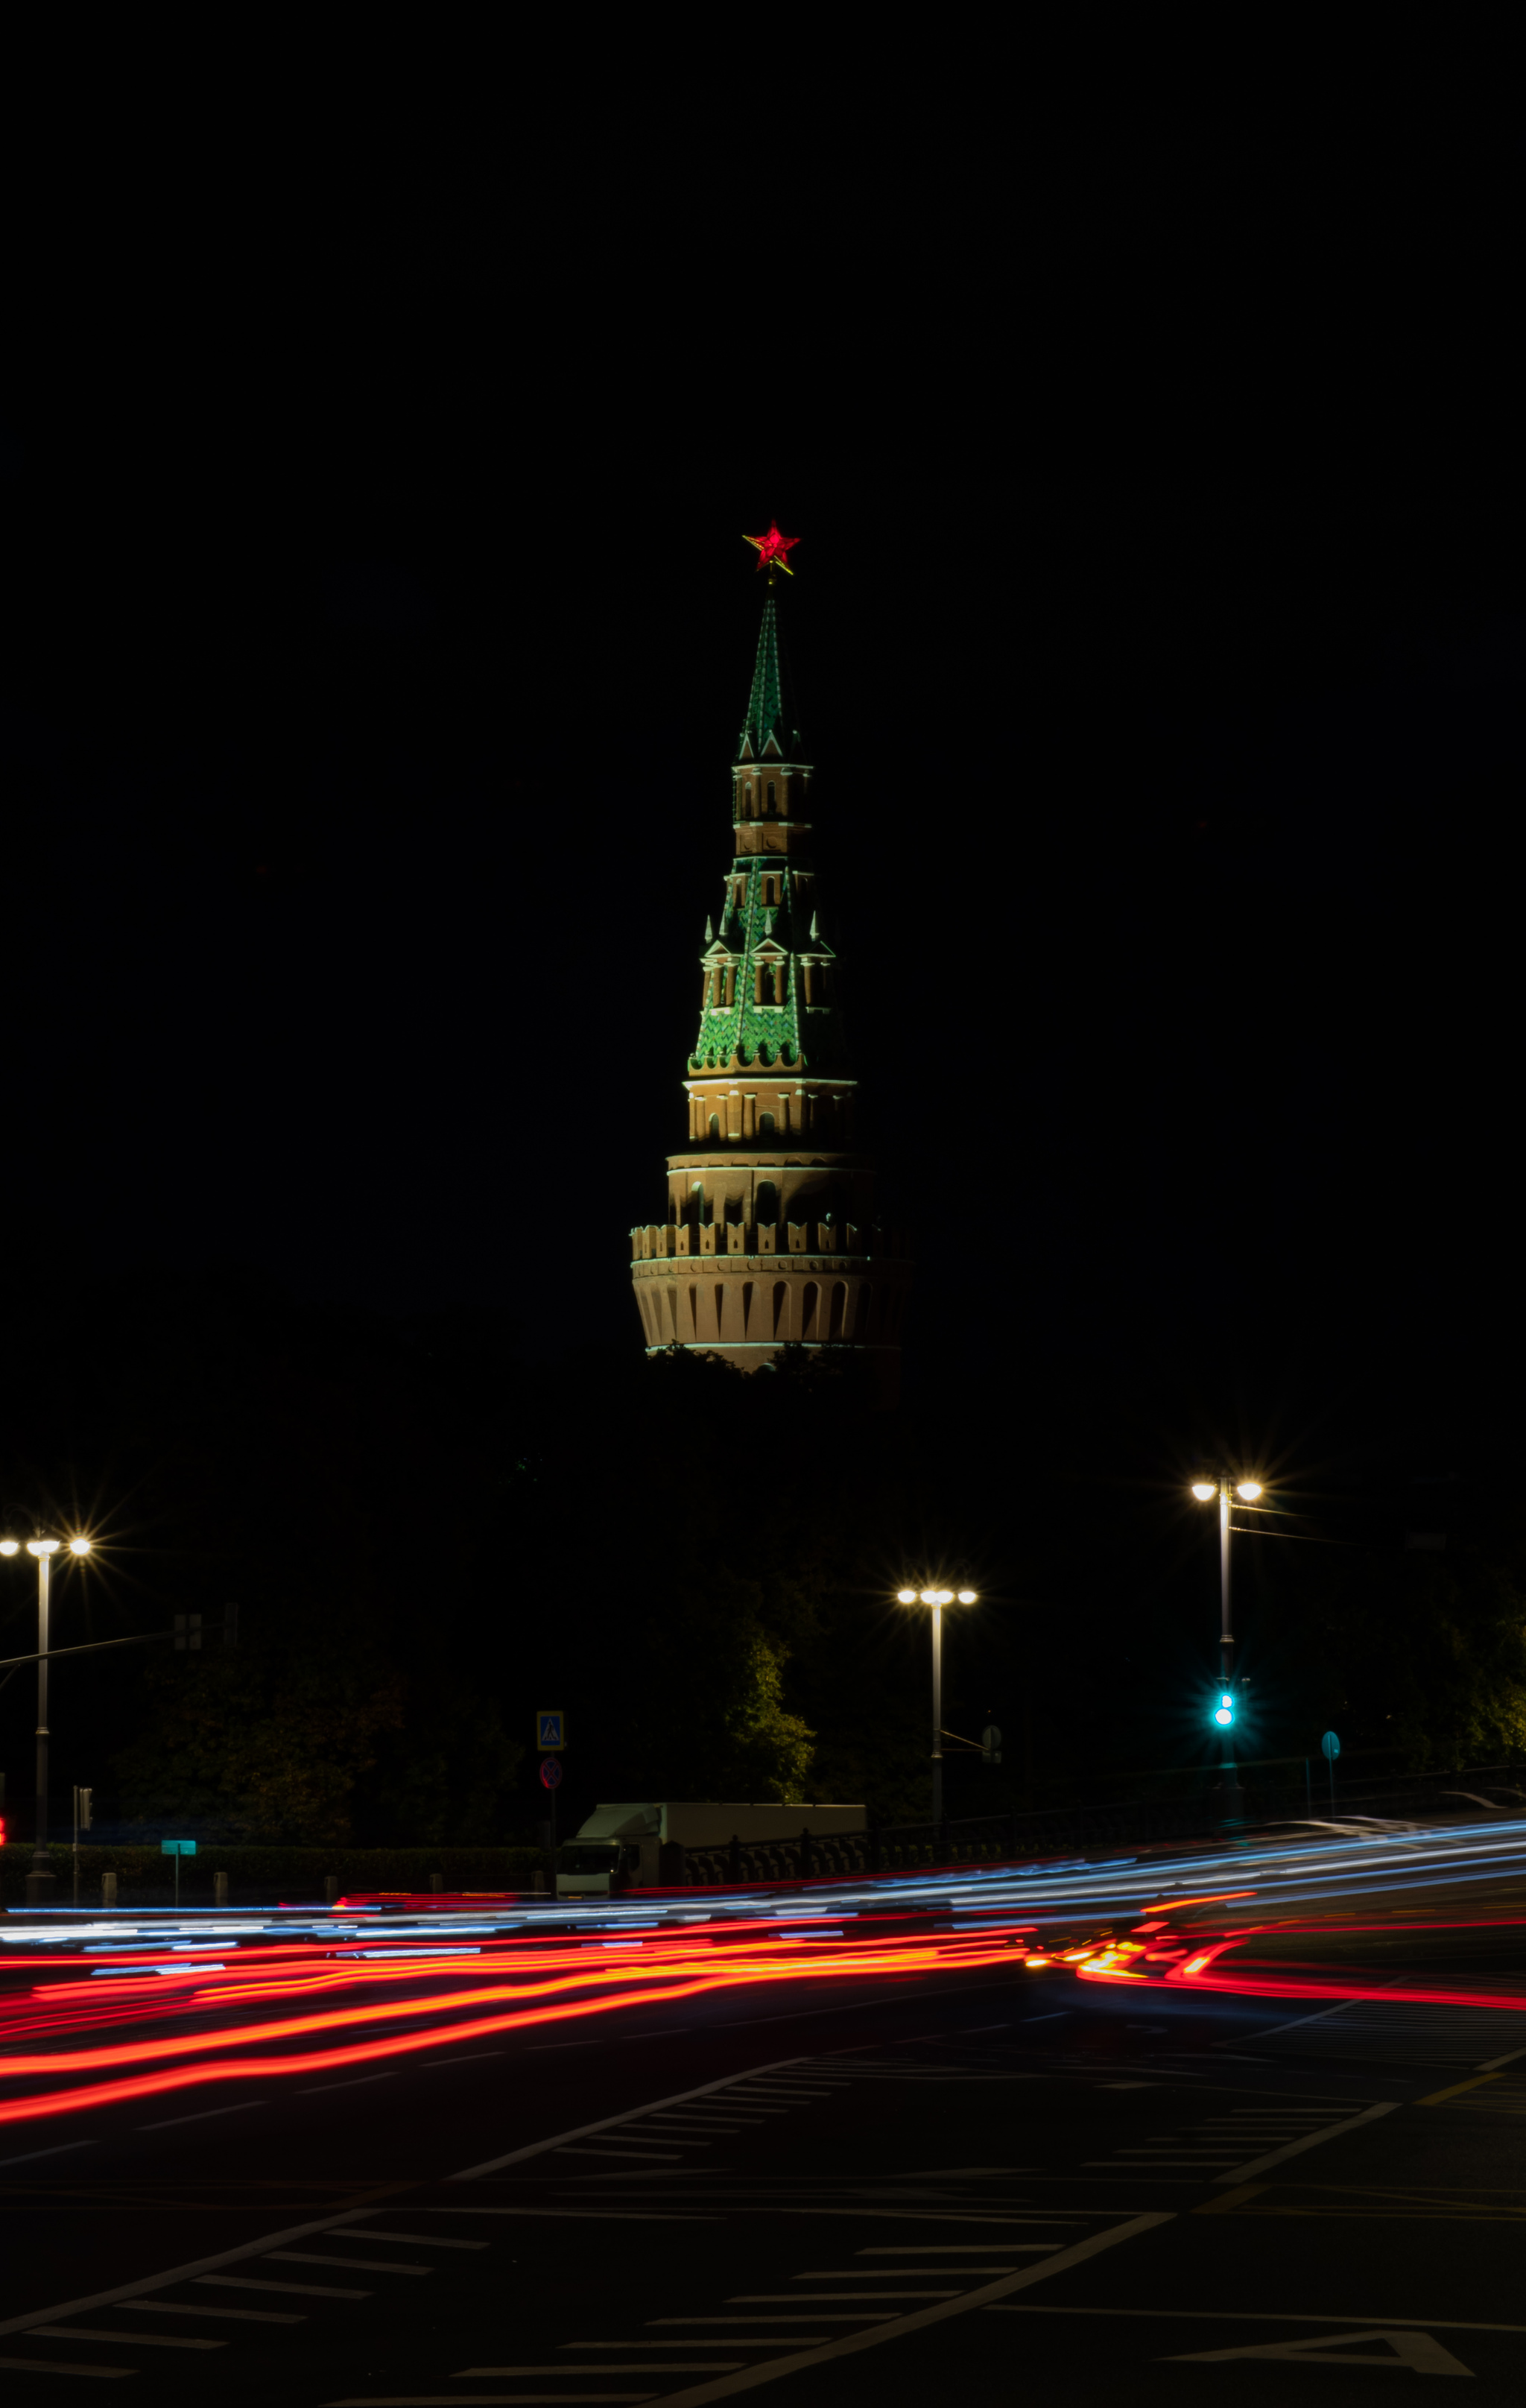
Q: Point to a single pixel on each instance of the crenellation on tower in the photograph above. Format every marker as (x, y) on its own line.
(771, 1236)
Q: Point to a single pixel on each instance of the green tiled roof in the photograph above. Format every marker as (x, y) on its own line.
(792, 1032)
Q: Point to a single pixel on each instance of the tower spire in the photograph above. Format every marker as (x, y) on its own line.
(772, 721)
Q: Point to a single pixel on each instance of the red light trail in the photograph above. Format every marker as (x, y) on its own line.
(545, 1984)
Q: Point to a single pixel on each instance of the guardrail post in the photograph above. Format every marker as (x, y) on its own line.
(805, 1855)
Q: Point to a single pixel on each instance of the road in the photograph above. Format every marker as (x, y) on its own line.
(976, 2170)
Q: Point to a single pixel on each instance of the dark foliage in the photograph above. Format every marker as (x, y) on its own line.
(429, 1537)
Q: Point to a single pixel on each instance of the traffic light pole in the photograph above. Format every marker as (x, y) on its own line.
(1226, 1651)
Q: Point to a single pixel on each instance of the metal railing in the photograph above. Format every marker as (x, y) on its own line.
(1015, 1837)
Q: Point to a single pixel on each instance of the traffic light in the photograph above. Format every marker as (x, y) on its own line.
(1224, 1712)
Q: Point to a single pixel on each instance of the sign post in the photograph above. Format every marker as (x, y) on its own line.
(81, 1823)
(1330, 1746)
(551, 1739)
(177, 1848)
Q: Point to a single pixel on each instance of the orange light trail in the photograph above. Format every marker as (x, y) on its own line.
(553, 1988)
(1218, 1897)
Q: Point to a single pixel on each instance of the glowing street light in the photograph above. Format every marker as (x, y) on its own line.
(40, 1880)
(936, 1598)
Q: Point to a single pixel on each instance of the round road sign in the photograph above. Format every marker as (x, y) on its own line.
(551, 1772)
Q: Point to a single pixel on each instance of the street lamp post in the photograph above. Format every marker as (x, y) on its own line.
(40, 1880)
(1225, 1489)
(938, 1599)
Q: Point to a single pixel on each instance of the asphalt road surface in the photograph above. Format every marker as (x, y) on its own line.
(987, 2178)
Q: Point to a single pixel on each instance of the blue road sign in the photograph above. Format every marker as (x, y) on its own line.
(1331, 1745)
(551, 1773)
(551, 1731)
(176, 1847)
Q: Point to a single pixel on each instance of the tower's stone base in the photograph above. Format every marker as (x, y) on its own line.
(746, 1307)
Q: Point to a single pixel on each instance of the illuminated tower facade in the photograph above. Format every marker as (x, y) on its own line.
(770, 1236)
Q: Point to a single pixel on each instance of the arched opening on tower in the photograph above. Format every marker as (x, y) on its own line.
(768, 1204)
(781, 1310)
(811, 1299)
(840, 1308)
(765, 1129)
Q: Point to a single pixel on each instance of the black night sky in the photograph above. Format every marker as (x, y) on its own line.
(376, 628)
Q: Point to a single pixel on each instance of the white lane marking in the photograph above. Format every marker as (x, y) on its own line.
(484, 2399)
(605, 2124)
(1495, 2062)
(808, 2318)
(1309, 2140)
(773, 2299)
(1412, 2353)
(848, 2344)
(59, 2366)
(429, 2063)
(973, 2248)
(244, 2315)
(304, 2290)
(33, 2155)
(583, 2215)
(693, 2366)
(357, 2084)
(137, 2340)
(625, 2157)
(421, 2239)
(1257, 2316)
(205, 2117)
(358, 2265)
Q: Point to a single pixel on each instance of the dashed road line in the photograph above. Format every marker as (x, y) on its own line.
(135, 2340)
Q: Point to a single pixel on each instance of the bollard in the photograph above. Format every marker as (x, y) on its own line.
(220, 1889)
(108, 1890)
(538, 1883)
(330, 1890)
(436, 1882)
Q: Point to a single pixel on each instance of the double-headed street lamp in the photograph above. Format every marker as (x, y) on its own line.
(938, 1599)
(40, 1880)
(1225, 1488)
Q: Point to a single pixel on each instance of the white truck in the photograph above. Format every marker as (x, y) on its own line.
(620, 1847)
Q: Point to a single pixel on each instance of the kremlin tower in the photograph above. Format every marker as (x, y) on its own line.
(770, 1237)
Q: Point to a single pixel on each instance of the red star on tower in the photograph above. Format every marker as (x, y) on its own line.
(772, 547)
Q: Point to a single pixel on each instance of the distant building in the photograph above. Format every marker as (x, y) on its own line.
(770, 1234)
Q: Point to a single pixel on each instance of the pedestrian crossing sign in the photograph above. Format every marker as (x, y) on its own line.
(551, 1732)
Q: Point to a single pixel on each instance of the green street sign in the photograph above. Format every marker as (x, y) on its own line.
(176, 1847)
